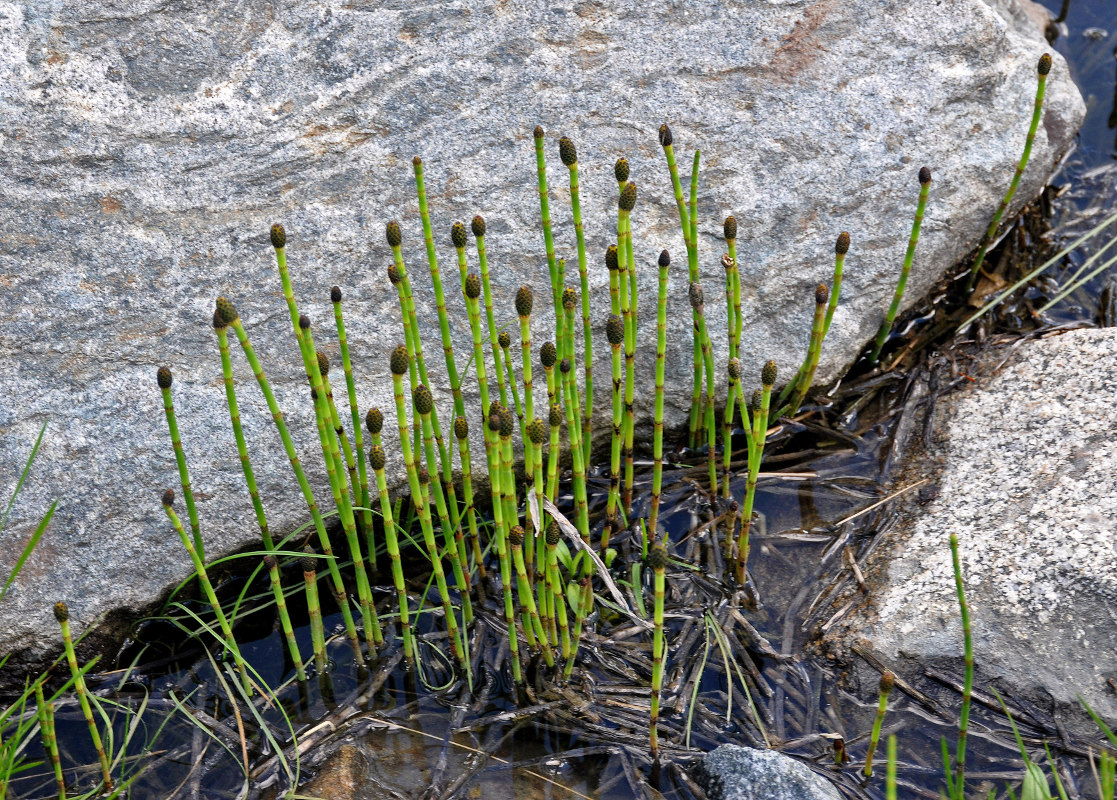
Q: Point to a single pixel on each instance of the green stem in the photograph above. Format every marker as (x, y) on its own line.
(314, 612)
(887, 680)
(272, 567)
(355, 412)
(377, 461)
(570, 158)
(698, 304)
(967, 686)
(50, 740)
(548, 238)
(164, 378)
(62, 614)
(814, 350)
(658, 561)
(660, 376)
(482, 259)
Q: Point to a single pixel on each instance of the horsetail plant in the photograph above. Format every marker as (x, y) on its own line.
(756, 453)
(958, 785)
(548, 237)
(612, 264)
(657, 560)
(164, 378)
(729, 230)
(377, 460)
(398, 365)
(887, 681)
(355, 413)
(579, 468)
(909, 256)
(537, 434)
(548, 356)
(569, 300)
(528, 608)
(461, 433)
(697, 302)
(524, 300)
(505, 342)
(478, 228)
(221, 327)
(627, 274)
(1042, 69)
(229, 315)
(314, 610)
(614, 330)
(734, 372)
(272, 566)
(568, 153)
(814, 351)
(496, 414)
(660, 373)
(207, 588)
(554, 421)
(62, 614)
(554, 586)
(45, 713)
(334, 421)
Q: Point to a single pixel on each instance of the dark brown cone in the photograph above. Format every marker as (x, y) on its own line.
(270, 563)
(821, 294)
(424, 400)
(841, 247)
(496, 410)
(376, 458)
(569, 298)
(516, 536)
(614, 329)
(335, 294)
(478, 226)
(730, 228)
(278, 236)
(754, 401)
(374, 420)
(887, 681)
(553, 533)
(611, 258)
(169, 497)
(309, 562)
(695, 295)
(164, 378)
(507, 422)
(472, 286)
(554, 417)
(664, 259)
(61, 612)
(424, 476)
(227, 310)
(524, 301)
(564, 366)
(457, 235)
(393, 234)
(735, 368)
(548, 355)
(504, 340)
(399, 360)
(620, 170)
(393, 275)
(461, 428)
(304, 321)
(657, 557)
(218, 323)
(567, 152)
(1044, 65)
(536, 432)
(665, 137)
(768, 373)
(538, 132)
(627, 200)
(323, 364)
(924, 175)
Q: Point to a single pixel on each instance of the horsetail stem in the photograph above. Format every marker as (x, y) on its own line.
(614, 330)
(479, 233)
(657, 560)
(548, 237)
(729, 229)
(569, 300)
(164, 379)
(272, 566)
(527, 599)
(377, 461)
(734, 372)
(626, 279)
(207, 587)
(554, 420)
(45, 713)
(1042, 69)
(585, 605)
(887, 681)
(409, 337)
(967, 686)
(909, 256)
(841, 247)
(461, 432)
(694, 202)
(399, 367)
(221, 327)
(332, 457)
(507, 424)
(569, 156)
(451, 533)
(697, 302)
(334, 421)
(228, 313)
(496, 413)
(660, 373)
(505, 342)
(814, 350)
(537, 433)
(279, 242)
(768, 377)
(548, 356)
(524, 300)
(355, 413)
(572, 413)
(472, 291)
(554, 587)
(62, 614)
(459, 239)
(314, 610)
(612, 264)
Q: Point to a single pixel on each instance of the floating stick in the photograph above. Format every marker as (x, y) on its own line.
(45, 712)
(220, 326)
(415, 483)
(355, 412)
(1042, 69)
(657, 560)
(887, 681)
(698, 304)
(461, 432)
(614, 330)
(756, 453)
(377, 460)
(207, 588)
(272, 566)
(229, 315)
(909, 256)
(62, 614)
(660, 372)
(967, 686)
(814, 351)
(548, 238)
(314, 610)
(164, 379)
(497, 412)
(569, 155)
(479, 234)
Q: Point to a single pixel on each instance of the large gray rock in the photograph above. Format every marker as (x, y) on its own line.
(743, 773)
(147, 146)
(1024, 466)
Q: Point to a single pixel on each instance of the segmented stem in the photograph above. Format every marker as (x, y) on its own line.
(901, 284)
(83, 693)
(660, 376)
(967, 686)
(183, 472)
(284, 617)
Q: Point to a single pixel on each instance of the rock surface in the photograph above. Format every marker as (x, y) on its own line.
(1024, 464)
(146, 147)
(742, 773)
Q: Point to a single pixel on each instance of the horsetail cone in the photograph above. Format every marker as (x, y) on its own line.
(393, 234)
(627, 200)
(611, 258)
(620, 170)
(564, 367)
(555, 416)
(227, 310)
(887, 679)
(537, 432)
(569, 298)
(424, 400)
(461, 428)
(374, 421)
(553, 533)
(169, 497)
(61, 612)
(548, 355)
(278, 236)
(323, 364)
(504, 340)
(568, 153)
(1044, 65)
(657, 557)
(516, 536)
(730, 228)
(335, 294)
(754, 401)
(393, 275)
(524, 300)
(308, 563)
(924, 175)
(538, 132)
(496, 411)
(304, 321)
(821, 295)
(399, 360)
(507, 422)
(472, 286)
(478, 226)
(664, 258)
(841, 247)
(164, 378)
(614, 329)
(735, 368)
(665, 137)
(768, 373)
(270, 563)
(695, 295)
(458, 237)
(424, 476)
(218, 323)
(376, 458)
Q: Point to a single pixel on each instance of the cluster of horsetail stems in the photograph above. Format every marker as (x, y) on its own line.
(698, 303)
(272, 566)
(909, 257)
(887, 681)
(62, 614)
(45, 712)
(314, 610)
(759, 429)
(568, 154)
(1042, 70)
